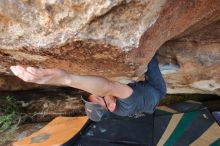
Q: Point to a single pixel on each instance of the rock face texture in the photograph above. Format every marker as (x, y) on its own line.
(44, 104)
(115, 39)
(194, 60)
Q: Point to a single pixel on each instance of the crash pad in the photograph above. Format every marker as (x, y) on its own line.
(190, 128)
(185, 123)
(57, 132)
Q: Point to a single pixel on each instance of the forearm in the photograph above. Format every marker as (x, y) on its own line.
(93, 84)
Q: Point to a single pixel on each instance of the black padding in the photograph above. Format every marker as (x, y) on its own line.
(117, 131)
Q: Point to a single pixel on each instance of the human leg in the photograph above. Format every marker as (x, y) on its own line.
(154, 77)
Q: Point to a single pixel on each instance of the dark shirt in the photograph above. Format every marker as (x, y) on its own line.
(146, 94)
(144, 98)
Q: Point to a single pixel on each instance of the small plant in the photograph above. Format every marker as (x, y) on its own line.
(10, 117)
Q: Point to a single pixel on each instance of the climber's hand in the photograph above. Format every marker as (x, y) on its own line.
(40, 76)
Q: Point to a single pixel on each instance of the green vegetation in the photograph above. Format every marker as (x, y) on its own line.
(10, 117)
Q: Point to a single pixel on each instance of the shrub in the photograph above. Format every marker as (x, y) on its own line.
(10, 117)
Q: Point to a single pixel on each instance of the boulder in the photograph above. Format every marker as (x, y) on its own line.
(115, 39)
(191, 64)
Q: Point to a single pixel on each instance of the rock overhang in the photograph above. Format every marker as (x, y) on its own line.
(115, 39)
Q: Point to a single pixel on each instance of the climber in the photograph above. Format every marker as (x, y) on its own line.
(106, 96)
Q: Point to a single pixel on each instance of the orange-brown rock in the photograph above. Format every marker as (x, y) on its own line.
(116, 39)
(192, 63)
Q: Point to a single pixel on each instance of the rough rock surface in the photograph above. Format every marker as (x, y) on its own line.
(42, 105)
(191, 64)
(116, 39)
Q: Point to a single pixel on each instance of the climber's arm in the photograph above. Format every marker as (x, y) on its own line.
(98, 85)
(93, 84)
